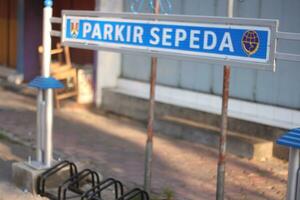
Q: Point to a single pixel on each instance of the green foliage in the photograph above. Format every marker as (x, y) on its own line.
(168, 193)
(155, 198)
(3, 137)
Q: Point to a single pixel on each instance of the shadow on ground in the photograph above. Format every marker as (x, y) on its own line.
(116, 149)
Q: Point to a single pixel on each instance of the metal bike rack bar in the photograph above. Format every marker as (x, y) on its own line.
(73, 183)
(98, 189)
(41, 183)
(76, 183)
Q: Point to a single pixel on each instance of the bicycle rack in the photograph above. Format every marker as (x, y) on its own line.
(131, 195)
(41, 183)
(73, 183)
(98, 189)
(76, 183)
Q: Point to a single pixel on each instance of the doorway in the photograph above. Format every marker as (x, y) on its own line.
(8, 33)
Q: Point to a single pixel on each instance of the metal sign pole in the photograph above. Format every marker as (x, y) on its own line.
(149, 144)
(39, 131)
(223, 142)
(224, 123)
(48, 111)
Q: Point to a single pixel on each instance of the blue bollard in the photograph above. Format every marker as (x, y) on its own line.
(291, 139)
(42, 84)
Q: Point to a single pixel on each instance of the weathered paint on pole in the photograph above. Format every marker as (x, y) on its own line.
(223, 136)
(48, 149)
(149, 143)
(224, 122)
(230, 7)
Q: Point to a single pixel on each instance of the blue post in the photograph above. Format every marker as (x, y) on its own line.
(291, 139)
(48, 107)
(48, 3)
(45, 84)
(42, 84)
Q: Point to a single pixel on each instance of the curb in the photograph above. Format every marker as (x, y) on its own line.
(13, 138)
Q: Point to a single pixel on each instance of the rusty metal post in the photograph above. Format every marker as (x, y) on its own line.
(230, 6)
(224, 122)
(149, 144)
(223, 143)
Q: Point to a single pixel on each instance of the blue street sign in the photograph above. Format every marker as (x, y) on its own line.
(218, 41)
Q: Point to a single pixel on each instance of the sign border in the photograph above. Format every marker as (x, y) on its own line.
(195, 20)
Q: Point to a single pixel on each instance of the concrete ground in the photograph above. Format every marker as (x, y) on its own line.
(12, 152)
(115, 147)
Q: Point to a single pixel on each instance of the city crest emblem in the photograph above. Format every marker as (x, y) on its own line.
(250, 42)
(74, 28)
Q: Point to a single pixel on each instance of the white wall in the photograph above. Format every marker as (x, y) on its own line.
(108, 67)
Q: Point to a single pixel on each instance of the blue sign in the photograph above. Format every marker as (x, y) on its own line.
(211, 41)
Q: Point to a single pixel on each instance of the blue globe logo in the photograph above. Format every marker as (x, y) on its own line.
(250, 42)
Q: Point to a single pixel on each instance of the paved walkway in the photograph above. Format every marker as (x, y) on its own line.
(115, 146)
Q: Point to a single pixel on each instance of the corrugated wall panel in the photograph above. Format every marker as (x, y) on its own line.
(266, 82)
(168, 71)
(194, 75)
(135, 67)
(280, 88)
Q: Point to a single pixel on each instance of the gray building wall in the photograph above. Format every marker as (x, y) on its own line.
(280, 88)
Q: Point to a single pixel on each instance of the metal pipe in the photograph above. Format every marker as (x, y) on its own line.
(223, 142)
(298, 183)
(56, 20)
(156, 6)
(49, 123)
(294, 160)
(224, 122)
(55, 33)
(287, 56)
(43, 128)
(39, 122)
(47, 15)
(149, 144)
(230, 6)
(288, 36)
